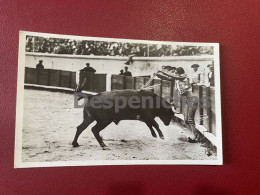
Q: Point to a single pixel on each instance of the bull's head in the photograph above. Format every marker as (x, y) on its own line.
(167, 116)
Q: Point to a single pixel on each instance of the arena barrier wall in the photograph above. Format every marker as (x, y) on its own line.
(65, 79)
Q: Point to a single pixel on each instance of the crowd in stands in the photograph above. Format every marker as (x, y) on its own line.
(105, 48)
(168, 50)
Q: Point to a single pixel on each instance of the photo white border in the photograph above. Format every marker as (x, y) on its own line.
(20, 103)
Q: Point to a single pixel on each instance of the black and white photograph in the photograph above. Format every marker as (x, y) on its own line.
(108, 101)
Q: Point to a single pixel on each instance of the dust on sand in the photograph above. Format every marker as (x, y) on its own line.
(50, 122)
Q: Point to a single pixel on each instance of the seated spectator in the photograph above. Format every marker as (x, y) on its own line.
(103, 48)
(29, 44)
(88, 69)
(127, 73)
(40, 65)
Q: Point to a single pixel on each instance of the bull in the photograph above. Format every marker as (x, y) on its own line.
(104, 114)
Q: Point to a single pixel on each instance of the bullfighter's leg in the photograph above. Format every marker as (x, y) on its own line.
(97, 128)
(155, 124)
(87, 121)
(151, 129)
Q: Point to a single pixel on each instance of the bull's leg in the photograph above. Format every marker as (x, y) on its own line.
(87, 121)
(97, 128)
(151, 129)
(155, 124)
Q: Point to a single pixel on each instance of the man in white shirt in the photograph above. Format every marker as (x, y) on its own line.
(197, 74)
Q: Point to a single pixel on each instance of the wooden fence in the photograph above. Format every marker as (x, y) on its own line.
(66, 79)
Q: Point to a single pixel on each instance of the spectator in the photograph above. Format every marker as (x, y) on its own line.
(127, 73)
(40, 65)
(211, 79)
(88, 69)
(196, 77)
(29, 44)
(121, 72)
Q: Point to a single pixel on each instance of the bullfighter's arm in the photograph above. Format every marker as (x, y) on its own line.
(175, 76)
(164, 77)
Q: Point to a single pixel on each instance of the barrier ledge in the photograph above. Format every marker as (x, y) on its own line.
(54, 88)
(209, 136)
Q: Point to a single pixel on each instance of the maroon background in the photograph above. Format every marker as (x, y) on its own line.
(234, 24)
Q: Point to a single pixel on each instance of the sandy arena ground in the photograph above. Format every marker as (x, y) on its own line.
(50, 122)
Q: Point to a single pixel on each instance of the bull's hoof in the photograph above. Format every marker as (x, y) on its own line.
(75, 144)
(154, 135)
(161, 136)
